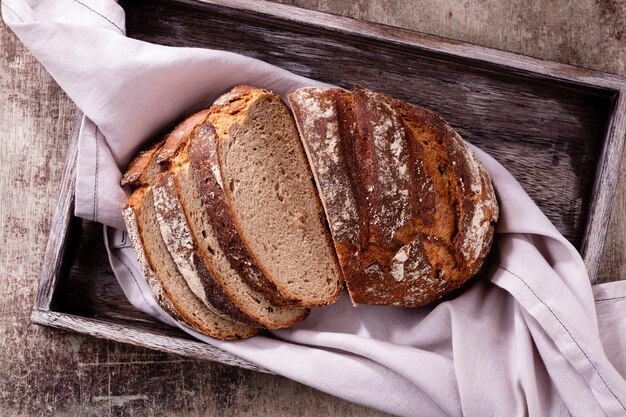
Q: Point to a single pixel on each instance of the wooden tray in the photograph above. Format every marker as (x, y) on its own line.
(559, 129)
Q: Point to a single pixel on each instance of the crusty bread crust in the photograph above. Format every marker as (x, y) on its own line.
(132, 229)
(179, 136)
(410, 206)
(137, 172)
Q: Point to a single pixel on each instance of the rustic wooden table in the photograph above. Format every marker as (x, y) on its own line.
(48, 372)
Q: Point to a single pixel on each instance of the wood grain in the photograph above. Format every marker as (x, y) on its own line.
(54, 255)
(606, 180)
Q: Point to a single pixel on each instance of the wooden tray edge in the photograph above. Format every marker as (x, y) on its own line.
(521, 64)
(143, 338)
(59, 229)
(606, 178)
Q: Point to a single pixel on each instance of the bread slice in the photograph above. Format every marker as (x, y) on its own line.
(410, 207)
(267, 184)
(167, 284)
(327, 126)
(181, 245)
(149, 276)
(173, 225)
(204, 211)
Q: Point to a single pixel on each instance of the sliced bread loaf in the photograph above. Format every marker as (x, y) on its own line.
(267, 185)
(161, 273)
(410, 207)
(182, 247)
(207, 219)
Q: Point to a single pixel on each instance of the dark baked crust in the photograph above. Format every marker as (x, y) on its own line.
(470, 188)
(421, 205)
(179, 136)
(137, 171)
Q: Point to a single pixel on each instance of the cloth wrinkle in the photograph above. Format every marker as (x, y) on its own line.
(568, 332)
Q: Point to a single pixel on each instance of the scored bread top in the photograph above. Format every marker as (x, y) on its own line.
(471, 194)
(410, 207)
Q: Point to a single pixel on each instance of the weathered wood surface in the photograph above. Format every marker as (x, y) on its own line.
(48, 372)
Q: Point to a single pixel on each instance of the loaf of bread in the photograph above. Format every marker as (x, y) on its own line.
(410, 207)
(250, 213)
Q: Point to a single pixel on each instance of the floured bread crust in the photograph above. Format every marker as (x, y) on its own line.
(410, 207)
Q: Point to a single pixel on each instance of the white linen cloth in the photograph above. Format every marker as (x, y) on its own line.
(527, 339)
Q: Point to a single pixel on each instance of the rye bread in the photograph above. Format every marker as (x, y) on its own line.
(205, 217)
(410, 207)
(205, 176)
(268, 187)
(161, 273)
(182, 247)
